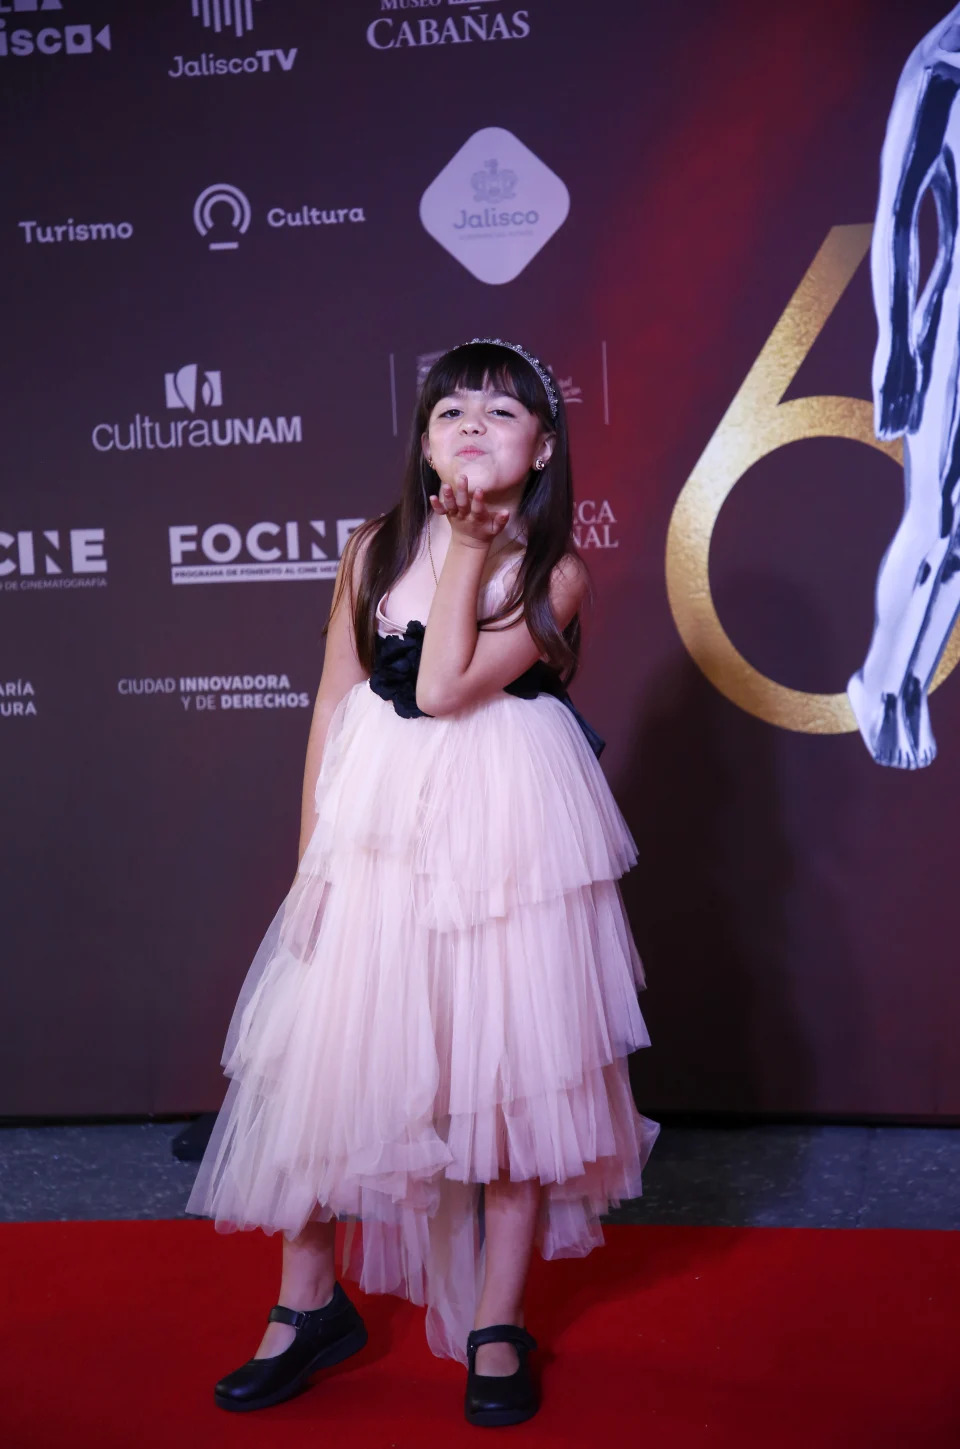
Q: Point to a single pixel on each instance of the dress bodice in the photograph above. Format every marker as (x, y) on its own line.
(398, 650)
(412, 593)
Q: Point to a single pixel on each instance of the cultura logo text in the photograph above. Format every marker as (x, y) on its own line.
(182, 392)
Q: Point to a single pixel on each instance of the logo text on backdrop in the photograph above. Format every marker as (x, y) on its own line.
(234, 211)
(218, 15)
(472, 20)
(75, 231)
(53, 558)
(229, 20)
(223, 212)
(757, 423)
(181, 392)
(264, 552)
(181, 388)
(494, 205)
(18, 699)
(46, 39)
(207, 693)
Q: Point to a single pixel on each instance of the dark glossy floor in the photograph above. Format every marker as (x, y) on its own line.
(765, 1176)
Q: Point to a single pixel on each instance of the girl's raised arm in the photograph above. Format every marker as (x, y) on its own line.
(460, 664)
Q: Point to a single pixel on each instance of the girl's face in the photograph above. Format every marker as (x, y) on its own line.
(488, 436)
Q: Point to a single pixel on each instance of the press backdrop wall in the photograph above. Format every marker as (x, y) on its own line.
(191, 429)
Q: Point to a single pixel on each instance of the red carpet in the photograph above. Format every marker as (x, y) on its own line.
(670, 1338)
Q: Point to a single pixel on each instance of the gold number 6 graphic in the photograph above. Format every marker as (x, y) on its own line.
(755, 424)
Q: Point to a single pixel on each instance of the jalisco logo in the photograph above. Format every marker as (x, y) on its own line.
(522, 203)
(263, 552)
(180, 391)
(17, 699)
(230, 18)
(53, 558)
(492, 184)
(484, 21)
(236, 218)
(757, 423)
(48, 39)
(203, 693)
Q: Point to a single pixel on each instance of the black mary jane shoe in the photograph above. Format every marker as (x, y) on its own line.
(493, 1401)
(325, 1336)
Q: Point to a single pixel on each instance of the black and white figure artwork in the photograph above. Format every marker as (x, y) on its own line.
(915, 389)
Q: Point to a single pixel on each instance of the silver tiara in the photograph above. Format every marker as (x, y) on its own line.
(535, 363)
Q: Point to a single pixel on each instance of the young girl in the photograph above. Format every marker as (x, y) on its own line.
(432, 1040)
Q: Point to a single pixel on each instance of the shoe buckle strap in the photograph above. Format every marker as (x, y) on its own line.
(501, 1333)
(296, 1319)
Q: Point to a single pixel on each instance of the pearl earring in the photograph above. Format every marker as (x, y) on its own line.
(540, 465)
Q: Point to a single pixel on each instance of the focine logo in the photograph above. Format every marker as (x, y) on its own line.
(264, 552)
(48, 39)
(235, 15)
(494, 205)
(181, 388)
(234, 213)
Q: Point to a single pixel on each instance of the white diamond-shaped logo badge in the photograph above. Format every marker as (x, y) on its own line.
(494, 205)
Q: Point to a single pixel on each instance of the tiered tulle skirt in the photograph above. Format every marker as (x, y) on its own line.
(447, 995)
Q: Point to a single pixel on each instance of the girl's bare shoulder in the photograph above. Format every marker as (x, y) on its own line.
(571, 578)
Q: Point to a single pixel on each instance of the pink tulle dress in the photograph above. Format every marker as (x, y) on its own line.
(447, 994)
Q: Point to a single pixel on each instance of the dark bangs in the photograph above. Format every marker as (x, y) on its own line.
(477, 365)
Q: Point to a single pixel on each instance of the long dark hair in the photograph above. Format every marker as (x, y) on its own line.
(545, 512)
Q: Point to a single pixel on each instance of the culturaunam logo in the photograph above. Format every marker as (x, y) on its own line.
(181, 388)
(494, 205)
(47, 39)
(472, 20)
(181, 392)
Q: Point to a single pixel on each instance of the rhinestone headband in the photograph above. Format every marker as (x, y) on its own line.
(534, 362)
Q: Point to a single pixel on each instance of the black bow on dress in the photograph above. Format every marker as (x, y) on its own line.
(397, 664)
